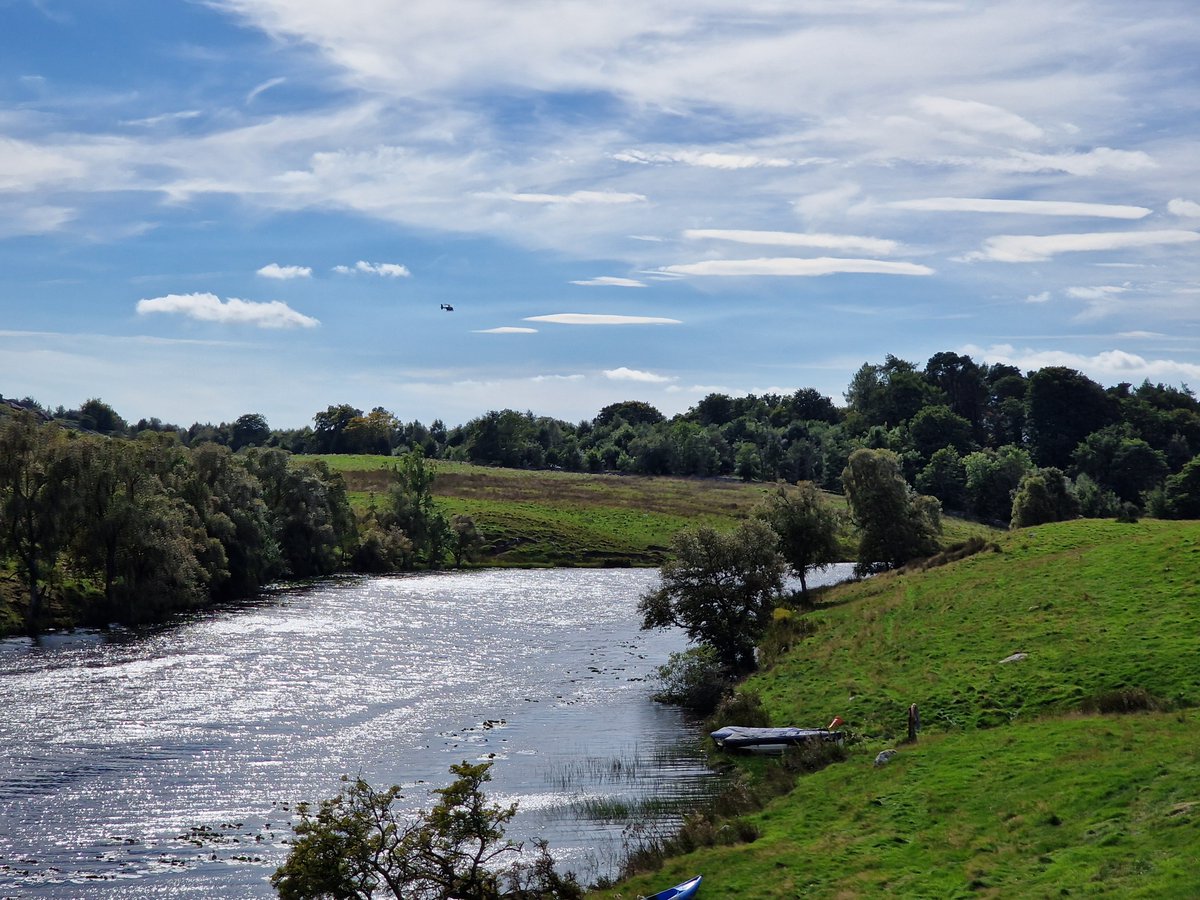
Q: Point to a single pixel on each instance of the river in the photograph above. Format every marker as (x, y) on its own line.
(168, 763)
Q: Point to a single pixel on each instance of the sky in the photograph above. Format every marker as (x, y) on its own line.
(215, 207)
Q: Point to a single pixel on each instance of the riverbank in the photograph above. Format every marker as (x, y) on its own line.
(1070, 767)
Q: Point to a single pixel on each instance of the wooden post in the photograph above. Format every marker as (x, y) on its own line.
(914, 723)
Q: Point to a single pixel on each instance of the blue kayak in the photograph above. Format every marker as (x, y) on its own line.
(680, 891)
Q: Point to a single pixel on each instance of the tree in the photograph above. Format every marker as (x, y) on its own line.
(328, 427)
(720, 588)
(992, 479)
(1043, 496)
(945, 477)
(413, 509)
(466, 541)
(1063, 407)
(250, 430)
(807, 528)
(895, 524)
(34, 499)
(1116, 458)
(355, 847)
(935, 427)
(1183, 491)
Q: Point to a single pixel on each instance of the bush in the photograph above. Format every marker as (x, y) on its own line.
(743, 708)
(693, 679)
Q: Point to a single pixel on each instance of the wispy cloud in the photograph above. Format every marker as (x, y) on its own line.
(847, 242)
(210, 308)
(1014, 248)
(797, 267)
(1091, 163)
(611, 281)
(385, 270)
(626, 374)
(575, 198)
(261, 88)
(708, 159)
(1043, 297)
(1023, 207)
(975, 116)
(601, 319)
(506, 329)
(284, 273)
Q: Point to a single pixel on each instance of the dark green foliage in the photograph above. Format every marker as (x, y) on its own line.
(694, 679)
(1117, 459)
(992, 478)
(1183, 492)
(412, 510)
(744, 708)
(807, 527)
(945, 477)
(250, 430)
(466, 539)
(355, 846)
(35, 502)
(935, 427)
(1043, 495)
(720, 588)
(1063, 407)
(1095, 501)
(895, 524)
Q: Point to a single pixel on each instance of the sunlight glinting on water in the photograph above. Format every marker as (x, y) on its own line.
(169, 763)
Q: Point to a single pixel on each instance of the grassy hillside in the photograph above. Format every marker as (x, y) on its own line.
(1016, 787)
(570, 518)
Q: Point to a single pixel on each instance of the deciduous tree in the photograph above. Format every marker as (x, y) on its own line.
(720, 588)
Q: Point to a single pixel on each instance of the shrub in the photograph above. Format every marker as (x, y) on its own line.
(693, 679)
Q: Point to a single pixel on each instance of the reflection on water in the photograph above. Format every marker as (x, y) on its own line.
(167, 764)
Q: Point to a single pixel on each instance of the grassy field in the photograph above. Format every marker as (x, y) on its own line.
(1017, 786)
(569, 518)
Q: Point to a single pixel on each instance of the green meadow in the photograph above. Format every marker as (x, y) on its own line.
(1074, 771)
(551, 518)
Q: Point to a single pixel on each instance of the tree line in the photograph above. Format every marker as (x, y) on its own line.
(964, 432)
(131, 530)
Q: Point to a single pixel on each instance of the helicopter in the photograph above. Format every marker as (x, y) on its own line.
(447, 307)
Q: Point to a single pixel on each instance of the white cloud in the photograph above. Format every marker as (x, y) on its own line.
(976, 116)
(24, 166)
(1025, 207)
(385, 270)
(209, 308)
(626, 374)
(506, 329)
(573, 199)
(1043, 297)
(18, 219)
(849, 242)
(601, 319)
(611, 281)
(261, 88)
(708, 159)
(1096, 293)
(542, 378)
(1141, 334)
(1102, 159)
(1189, 209)
(1038, 248)
(284, 273)
(792, 266)
(1110, 367)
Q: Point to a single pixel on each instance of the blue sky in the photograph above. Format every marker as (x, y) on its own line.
(213, 208)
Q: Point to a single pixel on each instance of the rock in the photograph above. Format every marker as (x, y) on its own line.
(1016, 657)
(884, 757)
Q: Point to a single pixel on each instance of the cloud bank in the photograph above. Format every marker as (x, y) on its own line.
(210, 308)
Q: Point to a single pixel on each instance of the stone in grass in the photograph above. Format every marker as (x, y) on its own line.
(1016, 657)
(884, 757)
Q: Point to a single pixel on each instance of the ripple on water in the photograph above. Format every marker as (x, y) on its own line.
(169, 763)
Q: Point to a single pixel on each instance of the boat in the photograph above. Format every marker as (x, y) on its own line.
(681, 891)
(772, 740)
